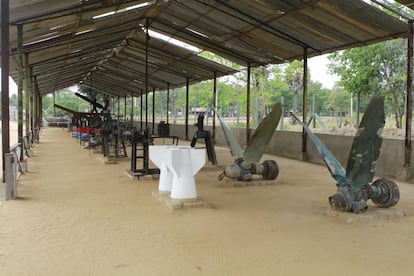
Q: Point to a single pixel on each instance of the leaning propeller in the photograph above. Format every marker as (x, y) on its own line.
(247, 162)
(353, 188)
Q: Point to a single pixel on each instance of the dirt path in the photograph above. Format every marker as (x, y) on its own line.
(77, 216)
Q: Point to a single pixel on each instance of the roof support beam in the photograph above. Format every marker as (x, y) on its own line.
(260, 23)
(62, 12)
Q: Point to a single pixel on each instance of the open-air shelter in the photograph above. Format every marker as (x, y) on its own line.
(126, 48)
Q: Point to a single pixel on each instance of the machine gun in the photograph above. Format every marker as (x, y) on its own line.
(247, 162)
(353, 188)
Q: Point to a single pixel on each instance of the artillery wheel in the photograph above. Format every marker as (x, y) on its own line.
(270, 170)
(390, 193)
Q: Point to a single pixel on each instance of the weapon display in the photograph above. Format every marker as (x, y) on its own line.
(353, 188)
(247, 162)
(109, 132)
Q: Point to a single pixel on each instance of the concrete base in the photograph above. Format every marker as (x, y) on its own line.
(5, 192)
(254, 182)
(2, 191)
(105, 160)
(372, 214)
(175, 204)
(405, 174)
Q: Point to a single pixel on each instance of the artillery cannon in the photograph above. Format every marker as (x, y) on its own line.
(247, 162)
(353, 188)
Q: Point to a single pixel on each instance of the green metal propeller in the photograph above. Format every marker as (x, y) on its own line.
(247, 162)
(353, 185)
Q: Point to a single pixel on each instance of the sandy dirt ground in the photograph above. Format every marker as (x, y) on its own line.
(77, 216)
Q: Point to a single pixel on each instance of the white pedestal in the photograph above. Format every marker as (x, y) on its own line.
(178, 165)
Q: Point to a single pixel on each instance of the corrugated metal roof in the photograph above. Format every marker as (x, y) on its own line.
(102, 43)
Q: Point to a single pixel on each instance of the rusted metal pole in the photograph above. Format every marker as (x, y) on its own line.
(20, 87)
(248, 104)
(5, 82)
(409, 108)
(304, 99)
(214, 104)
(187, 91)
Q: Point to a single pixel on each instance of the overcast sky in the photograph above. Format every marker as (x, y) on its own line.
(319, 71)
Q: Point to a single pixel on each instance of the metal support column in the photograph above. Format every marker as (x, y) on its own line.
(248, 104)
(153, 110)
(27, 98)
(168, 102)
(146, 71)
(304, 99)
(132, 111)
(141, 110)
(187, 91)
(125, 109)
(20, 88)
(31, 92)
(54, 102)
(118, 107)
(409, 108)
(5, 81)
(214, 104)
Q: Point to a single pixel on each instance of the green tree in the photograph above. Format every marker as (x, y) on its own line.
(294, 79)
(375, 69)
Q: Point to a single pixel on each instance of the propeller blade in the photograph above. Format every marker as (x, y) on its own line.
(264, 132)
(367, 143)
(333, 165)
(232, 142)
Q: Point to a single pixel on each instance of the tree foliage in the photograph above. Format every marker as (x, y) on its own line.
(375, 69)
